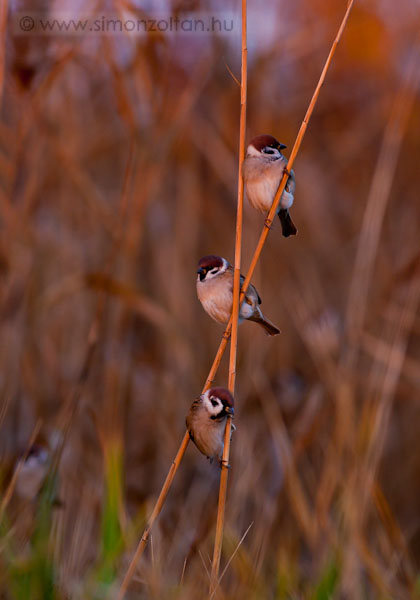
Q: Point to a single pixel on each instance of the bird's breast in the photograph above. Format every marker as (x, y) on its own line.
(216, 297)
(262, 181)
(208, 434)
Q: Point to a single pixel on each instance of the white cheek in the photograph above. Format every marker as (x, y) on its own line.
(212, 410)
(251, 151)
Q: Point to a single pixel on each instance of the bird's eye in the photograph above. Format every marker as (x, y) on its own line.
(214, 402)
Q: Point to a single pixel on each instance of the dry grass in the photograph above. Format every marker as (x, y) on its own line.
(326, 455)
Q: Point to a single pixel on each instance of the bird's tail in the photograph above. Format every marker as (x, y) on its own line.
(287, 225)
(268, 326)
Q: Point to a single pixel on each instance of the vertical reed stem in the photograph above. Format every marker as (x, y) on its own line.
(235, 314)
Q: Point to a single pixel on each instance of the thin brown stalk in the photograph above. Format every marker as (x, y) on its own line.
(3, 23)
(357, 304)
(72, 402)
(156, 512)
(377, 202)
(235, 313)
(283, 448)
(267, 225)
(232, 557)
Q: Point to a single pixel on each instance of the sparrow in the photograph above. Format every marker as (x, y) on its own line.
(215, 292)
(33, 472)
(262, 171)
(206, 421)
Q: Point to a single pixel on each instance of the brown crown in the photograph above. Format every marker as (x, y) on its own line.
(210, 262)
(223, 394)
(262, 141)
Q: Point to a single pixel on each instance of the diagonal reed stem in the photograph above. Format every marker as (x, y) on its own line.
(224, 473)
(267, 225)
(170, 476)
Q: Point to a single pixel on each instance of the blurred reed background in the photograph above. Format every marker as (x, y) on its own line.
(118, 157)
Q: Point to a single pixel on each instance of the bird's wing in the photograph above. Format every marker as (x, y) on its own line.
(189, 426)
(291, 183)
(251, 293)
(194, 406)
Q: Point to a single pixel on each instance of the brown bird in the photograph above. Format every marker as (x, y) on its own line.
(206, 421)
(32, 472)
(215, 292)
(263, 169)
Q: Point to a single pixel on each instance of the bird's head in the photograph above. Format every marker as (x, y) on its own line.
(211, 266)
(218, 402)
(265, 146)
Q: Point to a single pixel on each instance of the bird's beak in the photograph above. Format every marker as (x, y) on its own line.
(229, 410)
(281, 146)
(202, 273)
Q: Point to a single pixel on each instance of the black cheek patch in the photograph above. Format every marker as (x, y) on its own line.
(219, 415)
(270, 150)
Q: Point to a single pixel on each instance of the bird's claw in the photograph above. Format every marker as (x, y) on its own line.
(268, 224)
